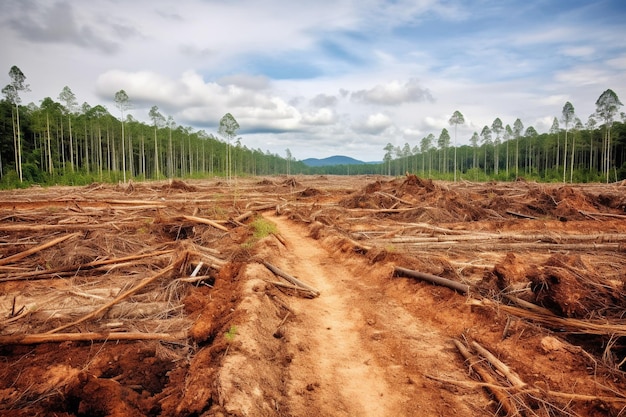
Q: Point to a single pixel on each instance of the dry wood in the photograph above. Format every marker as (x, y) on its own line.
(73, 270)
(501, 395)
(521, 215)
(556, 322)
(205, 221)
(434, 279)
(297, 289)
(513, 378)
(592, 215)
(290, 278)
(393, 197)
(535, 391)
(244, 216)
(33, 339)
(126, 294)
(36, 249)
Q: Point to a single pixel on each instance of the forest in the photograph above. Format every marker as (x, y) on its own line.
(62, 142)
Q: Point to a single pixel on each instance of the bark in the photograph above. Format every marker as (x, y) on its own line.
(434, 279)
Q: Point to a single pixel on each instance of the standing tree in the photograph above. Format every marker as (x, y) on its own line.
(591, 126)
(123, 103)
(12, 93)
(555, 130)
(508, 134)
(474, 142)
(578, 126)
(228, 129)
(485, 135)
(444, 143)
(568, 117)
(607, 106)
(496, 127)
(518, 127)
(456, 119)
(68, 97)
(157, 120)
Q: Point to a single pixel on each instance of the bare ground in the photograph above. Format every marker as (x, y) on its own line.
(231, 342)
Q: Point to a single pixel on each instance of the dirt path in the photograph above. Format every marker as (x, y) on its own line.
(354, 350)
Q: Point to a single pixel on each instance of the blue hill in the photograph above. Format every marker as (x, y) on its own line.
(333, 160)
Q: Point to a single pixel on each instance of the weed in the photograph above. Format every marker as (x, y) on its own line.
(263, 228)
(231, 333)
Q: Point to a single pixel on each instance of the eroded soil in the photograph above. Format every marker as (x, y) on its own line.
(153, 299)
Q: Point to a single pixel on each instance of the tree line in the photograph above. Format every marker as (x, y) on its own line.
(62, 142)
(570, 152)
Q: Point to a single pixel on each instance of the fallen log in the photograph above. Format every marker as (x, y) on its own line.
(205, 221)
(33, 339)
(501, 395)
(434, 279)
(36, 249)
(290, 278)
(126, 294)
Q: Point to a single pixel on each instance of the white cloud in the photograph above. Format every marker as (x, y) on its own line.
(394, 93)
(374, 124)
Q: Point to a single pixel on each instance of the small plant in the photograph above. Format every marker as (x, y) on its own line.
(263, 228)
(231, 333)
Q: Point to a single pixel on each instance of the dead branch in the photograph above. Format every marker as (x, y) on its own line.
(297, 289)
(36, 249)
(475, 365)
(556, 322)
(434, 279)
(521, 215)
(33, 339)
(126, 294)
(513, 378)
(205, 221)
(290, 278)
(72, 270)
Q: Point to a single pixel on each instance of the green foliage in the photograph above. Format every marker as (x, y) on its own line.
(263, 228)
(231, 333)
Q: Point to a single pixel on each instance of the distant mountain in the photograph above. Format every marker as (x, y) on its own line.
(333, 160)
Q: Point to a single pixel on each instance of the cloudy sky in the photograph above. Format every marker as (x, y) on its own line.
(323, 77)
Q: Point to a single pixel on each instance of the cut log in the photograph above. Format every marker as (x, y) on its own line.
(434, 279)
(290, 278)
(297, 289)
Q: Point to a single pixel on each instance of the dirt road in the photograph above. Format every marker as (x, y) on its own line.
(356, 350)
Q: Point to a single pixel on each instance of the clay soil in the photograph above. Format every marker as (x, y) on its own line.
(158, 299)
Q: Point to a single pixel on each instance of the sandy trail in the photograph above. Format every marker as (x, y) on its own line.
(331, 368)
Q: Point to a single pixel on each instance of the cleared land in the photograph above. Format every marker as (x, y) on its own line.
(309, 296)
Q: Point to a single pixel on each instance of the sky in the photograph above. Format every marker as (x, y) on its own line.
(325, 77)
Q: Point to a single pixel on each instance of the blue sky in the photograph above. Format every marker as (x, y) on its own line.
(326, 77)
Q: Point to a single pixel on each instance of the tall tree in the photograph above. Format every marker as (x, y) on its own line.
(578, 126)
(123, 103)
(607, 106)
(518, 128)
(12, 93)
(496, 127)
(67, 96)
(444, 143)
(591, 126)
(456, 119)
(157, 121)
(474, 142)
(228, 129)
(485, 135)
(555, 130)
(508, 134)
(568, 117)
